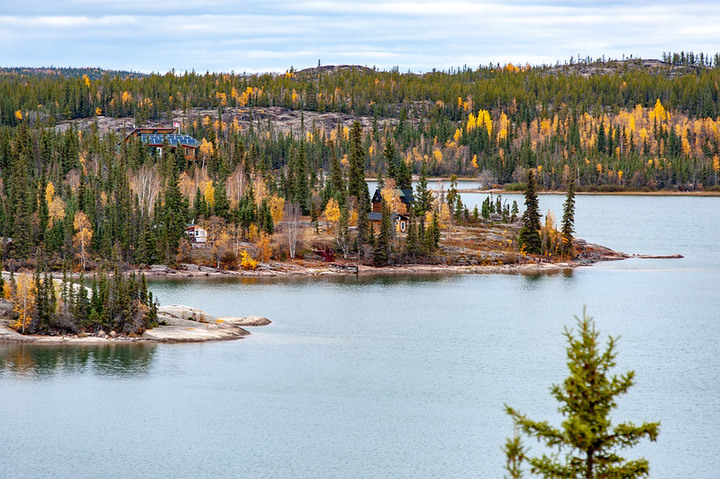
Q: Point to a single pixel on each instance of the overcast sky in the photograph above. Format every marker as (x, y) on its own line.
(272, 35)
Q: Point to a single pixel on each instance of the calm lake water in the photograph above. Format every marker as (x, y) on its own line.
(388, 377)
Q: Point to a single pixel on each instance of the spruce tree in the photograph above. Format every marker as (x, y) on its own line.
(337, 185)
(529, 236)
(300, 186)
(587, 396)
(423, 195)
(568, 220)
(222, 204)
(357, 186)
(364, 231)
(412, 246)
(381, 256)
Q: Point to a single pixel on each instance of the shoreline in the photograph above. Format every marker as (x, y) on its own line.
(705, 193)
(500, 191)
(589, 254)
(186, 324)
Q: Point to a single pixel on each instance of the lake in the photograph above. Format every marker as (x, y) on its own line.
(388, 376)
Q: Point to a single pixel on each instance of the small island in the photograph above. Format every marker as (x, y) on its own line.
(118, 308)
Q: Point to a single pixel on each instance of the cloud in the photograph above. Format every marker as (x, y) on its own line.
(223, 35)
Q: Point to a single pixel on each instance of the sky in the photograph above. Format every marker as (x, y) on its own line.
(274, 35)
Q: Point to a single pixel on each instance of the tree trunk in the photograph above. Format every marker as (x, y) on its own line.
(589, 465)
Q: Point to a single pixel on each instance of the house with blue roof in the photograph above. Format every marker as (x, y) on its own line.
(159, 137)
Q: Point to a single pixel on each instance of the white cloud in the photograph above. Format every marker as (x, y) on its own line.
(420, 35)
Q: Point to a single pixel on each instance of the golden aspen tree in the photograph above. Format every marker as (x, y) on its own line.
(277, 206)
(208, 192)
(23, 299)
(332, 213)
(264, 247)
(84, 235)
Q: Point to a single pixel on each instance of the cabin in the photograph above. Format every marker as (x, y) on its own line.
(197, 235)
(399, 220)
(157, 137)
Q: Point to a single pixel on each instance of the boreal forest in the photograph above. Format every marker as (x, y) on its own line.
(73, 190)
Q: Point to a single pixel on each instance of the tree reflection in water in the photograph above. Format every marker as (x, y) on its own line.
(33, 360)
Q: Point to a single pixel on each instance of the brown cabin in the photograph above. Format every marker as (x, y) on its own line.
(399, 220)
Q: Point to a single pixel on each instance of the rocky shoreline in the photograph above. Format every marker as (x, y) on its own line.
(177, 324)
(589, 254)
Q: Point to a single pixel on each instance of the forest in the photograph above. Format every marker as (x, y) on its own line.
(72, 191)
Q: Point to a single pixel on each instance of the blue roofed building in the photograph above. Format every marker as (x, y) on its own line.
(159, 137)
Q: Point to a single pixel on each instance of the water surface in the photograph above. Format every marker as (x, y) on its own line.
(387, 377)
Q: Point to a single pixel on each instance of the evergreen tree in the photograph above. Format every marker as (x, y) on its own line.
(529, 236)
(514, 211)
(363, 229)
(568, 220)
(381, 255)
(601, 141)
(586, 397)
(174, 212)
(357, 186)
(423, 195)
(222, 204)
(198, 206)
(300, 186)
(412, 246)
(337, 185)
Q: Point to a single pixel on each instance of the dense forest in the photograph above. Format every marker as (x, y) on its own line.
(80, 193)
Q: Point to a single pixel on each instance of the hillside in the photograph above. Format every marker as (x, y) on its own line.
(68, 72)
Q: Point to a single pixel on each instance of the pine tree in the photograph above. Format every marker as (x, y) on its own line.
(586, 397)
(568, 220)
(529, 236)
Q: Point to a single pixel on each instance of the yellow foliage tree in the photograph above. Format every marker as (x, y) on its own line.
(208, 191)
(246, 262)
(332, 213)
(392, 199)
(264, 247)
(83, 236)
(277, 206)
(23, 298)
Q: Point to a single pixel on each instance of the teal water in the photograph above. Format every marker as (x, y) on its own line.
(387, 377)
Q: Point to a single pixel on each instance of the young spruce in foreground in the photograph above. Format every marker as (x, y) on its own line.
(587, 396)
